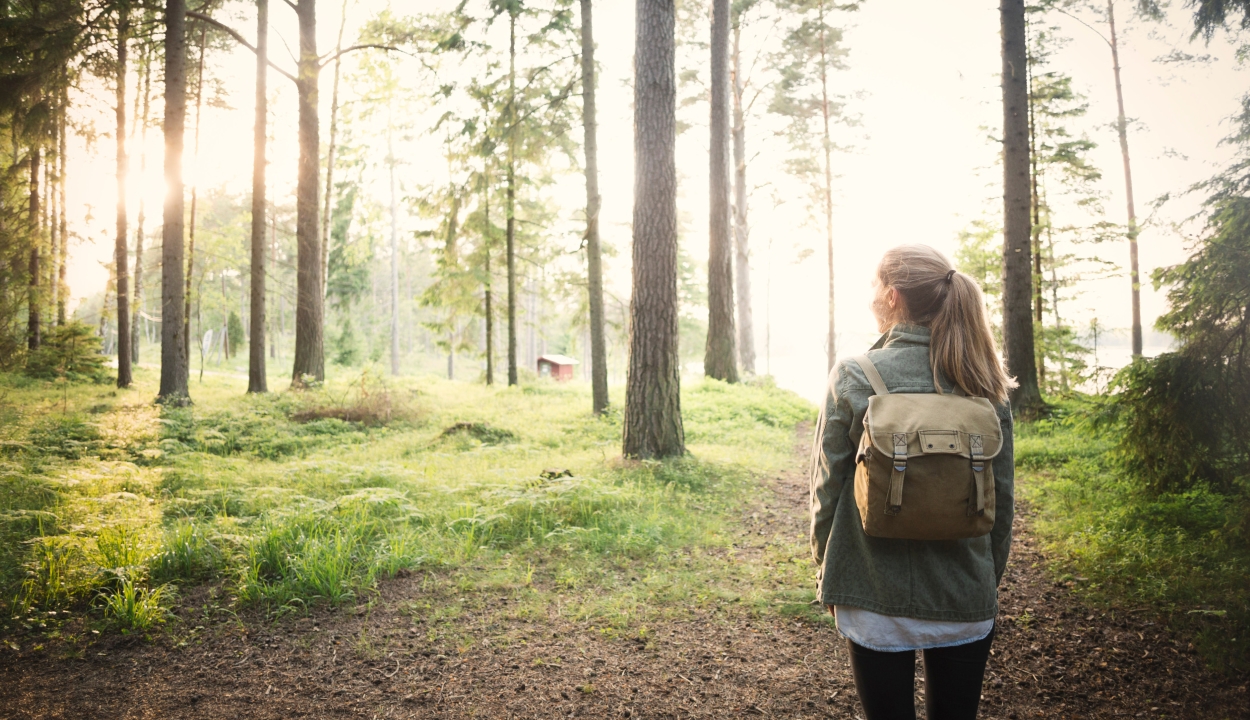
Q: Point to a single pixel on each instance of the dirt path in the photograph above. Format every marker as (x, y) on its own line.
(1053, 658)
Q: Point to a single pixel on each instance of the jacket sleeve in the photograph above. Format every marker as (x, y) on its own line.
(1004, 493)
(833, 458)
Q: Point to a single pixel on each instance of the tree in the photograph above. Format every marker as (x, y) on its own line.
(1210, 15)
(145, 69)
(1121, 127)
(199, 106)
(742, 256)
(812, 50)
(1060, 169)
(720, 358)
(513, 9)
(1018, 343)
(34, 298)
(652, 423)
(124, 343)
(309, 305)
(174, 364)
(594, 259)
(256, 376)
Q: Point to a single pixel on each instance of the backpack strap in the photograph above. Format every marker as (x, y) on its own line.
(874, 377)
(894, 498)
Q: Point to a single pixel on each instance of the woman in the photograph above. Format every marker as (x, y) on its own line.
(892, 597)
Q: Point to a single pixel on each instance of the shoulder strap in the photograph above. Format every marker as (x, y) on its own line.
(874, 377)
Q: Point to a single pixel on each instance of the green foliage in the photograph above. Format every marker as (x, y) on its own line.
(137, 608)
(490, 485)
(70, 352)
(346, 346)
(1183, 416)
(69, 436)
(1184, 553)
(234, 334)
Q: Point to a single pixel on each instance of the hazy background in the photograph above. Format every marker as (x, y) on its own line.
(920, 165)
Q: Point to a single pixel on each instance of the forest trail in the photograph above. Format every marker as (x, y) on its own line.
(1053, 658)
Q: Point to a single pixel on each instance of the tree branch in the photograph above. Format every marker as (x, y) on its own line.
(327, 59)
(238, 38)
(1091, 27)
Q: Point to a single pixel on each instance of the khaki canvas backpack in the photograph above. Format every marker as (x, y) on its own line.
(923, 470)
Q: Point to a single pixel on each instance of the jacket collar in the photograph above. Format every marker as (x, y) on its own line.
(904, 335)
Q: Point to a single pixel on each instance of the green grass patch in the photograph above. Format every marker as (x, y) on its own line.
(1184, 555)
(112, 506)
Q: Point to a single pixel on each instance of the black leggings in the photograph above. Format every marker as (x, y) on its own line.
(952, 681)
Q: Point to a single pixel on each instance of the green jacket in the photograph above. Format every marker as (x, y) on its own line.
(929, 580)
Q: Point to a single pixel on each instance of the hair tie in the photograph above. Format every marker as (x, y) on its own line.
(950, 275)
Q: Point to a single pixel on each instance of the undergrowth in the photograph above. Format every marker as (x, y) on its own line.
(1183, 554)
(110, 508)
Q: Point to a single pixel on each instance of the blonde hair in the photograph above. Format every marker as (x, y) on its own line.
(949, 303)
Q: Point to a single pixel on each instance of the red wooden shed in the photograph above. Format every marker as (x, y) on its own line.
(559, 367)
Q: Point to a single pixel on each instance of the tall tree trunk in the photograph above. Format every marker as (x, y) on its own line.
(594, 254)
(33, 337)
(271, 271)
(390, 161)
(1035, 227)
(489, 310)
(63, 160)
(1026, 399)
(257, 380)
(49, 191)
(510, 249)
(199, 104)
(174, 365)
(720, 356)
(742, 258)
(653, 427)
(309, 305)
(1121, 127)
(123, 231)
(832, 350)
(334, 125)
(137, 311)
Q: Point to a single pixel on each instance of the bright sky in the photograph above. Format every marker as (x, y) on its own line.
(923, 79)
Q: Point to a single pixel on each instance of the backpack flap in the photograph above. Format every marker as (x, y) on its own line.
(933, 424)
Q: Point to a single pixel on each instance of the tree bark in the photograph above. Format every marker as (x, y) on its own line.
(174, 367)
(257, 380)
(594, 254)
(1035, 227)
(334, 125)
(309, 310)
(63, 159)
(1121, 127)
(390, 160)
(199, 103)
(742, 259)
(652, 423)
(720, 356)
(123, 231)
(50, 185)
(510, 241)
(487, 298)
(33, 338)
(1017, 274)
(832, 349)
(137, 310)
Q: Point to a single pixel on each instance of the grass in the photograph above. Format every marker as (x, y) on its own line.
(1183, 555)
(110, 506)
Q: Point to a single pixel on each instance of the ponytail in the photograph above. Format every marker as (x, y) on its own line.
(961, 346)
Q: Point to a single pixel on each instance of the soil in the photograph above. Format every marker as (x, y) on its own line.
(1053, 657)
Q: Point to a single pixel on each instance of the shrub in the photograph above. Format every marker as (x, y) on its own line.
(70, 351)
